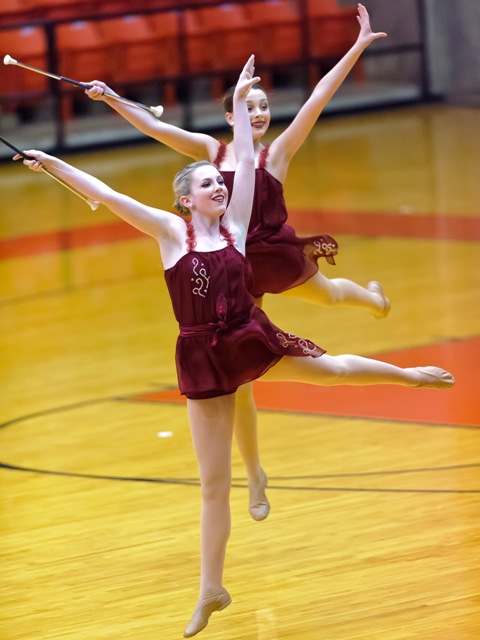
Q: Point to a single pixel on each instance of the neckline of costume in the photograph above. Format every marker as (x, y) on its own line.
(189, 253)
(261, 159)
(264, 169)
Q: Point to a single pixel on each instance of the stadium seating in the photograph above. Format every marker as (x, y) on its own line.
(82, 55)
(277, 29)
(23, 88)
(332, 30)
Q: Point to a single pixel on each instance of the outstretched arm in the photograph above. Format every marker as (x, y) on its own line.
(198, 146)
(154, 222)
(287, 144)
(240, 208)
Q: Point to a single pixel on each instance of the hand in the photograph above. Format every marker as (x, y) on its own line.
(366, 34)
(98, 90)
(36, 161)
(246, 79)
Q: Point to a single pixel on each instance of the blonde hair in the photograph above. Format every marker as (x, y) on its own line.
(182, 184)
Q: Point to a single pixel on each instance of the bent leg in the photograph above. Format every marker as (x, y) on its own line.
(245, 430)
(340, 291)
(356, 370)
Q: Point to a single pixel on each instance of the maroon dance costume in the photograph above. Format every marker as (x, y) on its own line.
(225, 340)
(280, 259)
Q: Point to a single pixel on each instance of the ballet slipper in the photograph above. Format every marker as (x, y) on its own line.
(435, 378)
(259, 508)
(376, 287)
(205, 607)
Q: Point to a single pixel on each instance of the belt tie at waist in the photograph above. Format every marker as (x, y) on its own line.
(217, 327)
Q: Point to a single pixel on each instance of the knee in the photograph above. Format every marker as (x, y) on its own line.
(334, 369)
(328, 291)
(333, 294)
(216, 487)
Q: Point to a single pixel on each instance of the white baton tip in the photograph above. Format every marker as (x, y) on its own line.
(157, 111)
(9, 60)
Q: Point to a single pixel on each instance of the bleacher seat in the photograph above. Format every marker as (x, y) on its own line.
(82, 56)
(13, 11)
(132, 48)
(277, 28)
(166, 28)
(58, 9)
(23, 87)
(333, 29)
(218, 38)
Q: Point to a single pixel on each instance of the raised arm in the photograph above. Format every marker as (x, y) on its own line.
(240, 208)
(164, 226)
(198, 146)
(287, 144)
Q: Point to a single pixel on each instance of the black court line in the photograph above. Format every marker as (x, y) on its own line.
(240, 483)
(195, 482)
(133, 399)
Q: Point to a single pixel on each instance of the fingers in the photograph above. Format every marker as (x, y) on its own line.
(97, 89)
(249, 67)
(33, 161)
(253, 81)
(250, 62)
(34, 165)
(364, 21)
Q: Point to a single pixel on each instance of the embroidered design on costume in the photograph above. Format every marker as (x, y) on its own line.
(324, 248)
(201, 279)
(291, 340)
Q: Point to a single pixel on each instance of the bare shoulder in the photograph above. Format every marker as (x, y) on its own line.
(277, 160)
(173, 241)
(176, 228)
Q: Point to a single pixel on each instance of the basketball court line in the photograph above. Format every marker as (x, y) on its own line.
(439, 227)
(459, 406)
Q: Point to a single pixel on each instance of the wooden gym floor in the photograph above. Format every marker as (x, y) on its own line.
(375, 492)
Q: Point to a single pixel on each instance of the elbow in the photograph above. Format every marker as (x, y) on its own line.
(248, 163)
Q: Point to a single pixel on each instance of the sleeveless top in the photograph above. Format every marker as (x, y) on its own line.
(280, 259)
(225, 340)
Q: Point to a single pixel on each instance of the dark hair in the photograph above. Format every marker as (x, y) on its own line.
(227, 100)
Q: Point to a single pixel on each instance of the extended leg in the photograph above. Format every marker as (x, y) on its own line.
(357, 370)
(340, 291)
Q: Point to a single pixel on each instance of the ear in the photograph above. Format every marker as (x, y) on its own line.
(229, 118)
(186, 201)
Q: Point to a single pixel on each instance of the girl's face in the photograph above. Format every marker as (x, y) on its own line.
(258, 110)
(208, 193)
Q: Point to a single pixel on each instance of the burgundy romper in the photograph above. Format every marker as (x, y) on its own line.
(279, 258)
(225, 340)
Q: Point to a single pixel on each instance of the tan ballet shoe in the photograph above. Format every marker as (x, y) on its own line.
(376, 287)
(259, 507)
(435, 378)
(205, 607)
